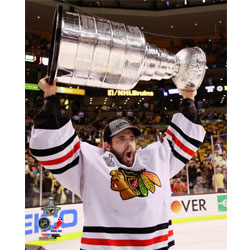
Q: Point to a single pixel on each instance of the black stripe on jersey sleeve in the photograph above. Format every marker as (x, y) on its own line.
(127, 230)
(176, 154)
(170, 244)
(193, 141)
(54, 150)
(65, 168)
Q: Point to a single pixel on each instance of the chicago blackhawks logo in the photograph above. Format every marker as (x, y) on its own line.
(133, 183)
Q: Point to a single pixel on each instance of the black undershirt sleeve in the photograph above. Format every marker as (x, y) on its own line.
(50, 116)
(188, 109)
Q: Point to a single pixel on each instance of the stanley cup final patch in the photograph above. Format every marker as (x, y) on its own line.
(44, 223)
(109, 160)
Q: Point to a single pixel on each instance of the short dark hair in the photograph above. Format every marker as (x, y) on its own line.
(106, 135)
(46, 173)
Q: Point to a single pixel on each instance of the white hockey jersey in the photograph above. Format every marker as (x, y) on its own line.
(124, 207)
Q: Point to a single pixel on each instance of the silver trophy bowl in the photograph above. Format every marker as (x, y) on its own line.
(96, 52)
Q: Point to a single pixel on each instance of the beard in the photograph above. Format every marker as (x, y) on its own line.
(126, 158)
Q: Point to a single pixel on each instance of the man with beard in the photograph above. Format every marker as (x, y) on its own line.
(119, 139)
(126, 192)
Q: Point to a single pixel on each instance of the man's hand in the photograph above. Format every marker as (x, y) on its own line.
(48, 89)
(188, 93)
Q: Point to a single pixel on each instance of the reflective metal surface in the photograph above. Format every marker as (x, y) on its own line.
(101, 53)
(192, 67)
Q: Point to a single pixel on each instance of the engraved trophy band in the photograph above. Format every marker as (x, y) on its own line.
(96, 52)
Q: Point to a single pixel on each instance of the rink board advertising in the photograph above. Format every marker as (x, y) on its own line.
(183, 207)
(198, 205)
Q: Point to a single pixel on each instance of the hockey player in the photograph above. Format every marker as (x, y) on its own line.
(126, 192)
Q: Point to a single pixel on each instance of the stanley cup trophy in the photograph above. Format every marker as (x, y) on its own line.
(100, 53)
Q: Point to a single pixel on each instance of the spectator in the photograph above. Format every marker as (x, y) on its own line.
(61, 195)
(217, 158)
(219, 145)
(219, 181)
(146, 105)
(150, 118)
(179, 188)
(183, 175)
(26, 158)
(33, 167)
(81, 114)
(208, 174)
(198, 187)
(223, 135)
(36, 187)
(192, 173)
(130, 115)
(223, 163)
(119, 114)
(68, 194)
(224, 172)
(76, 118)
(172, 182)
(56, 193)
(28, 187)
(198, 170)
(157, 118)
(46, 186)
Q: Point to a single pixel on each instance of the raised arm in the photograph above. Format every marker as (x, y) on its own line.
(185, 133)
(54, 142)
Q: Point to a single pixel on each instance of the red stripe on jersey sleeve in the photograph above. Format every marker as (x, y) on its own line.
(141, 243)
(180, 144)
(63, 158)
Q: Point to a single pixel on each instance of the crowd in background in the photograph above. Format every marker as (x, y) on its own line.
(197, 177)
(36, 45)
(215, 46)
(50, 186)
(201, 176)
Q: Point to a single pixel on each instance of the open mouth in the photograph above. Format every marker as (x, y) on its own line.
(128, 155)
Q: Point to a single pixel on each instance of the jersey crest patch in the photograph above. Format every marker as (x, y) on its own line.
(109, 160)
(133, 183)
